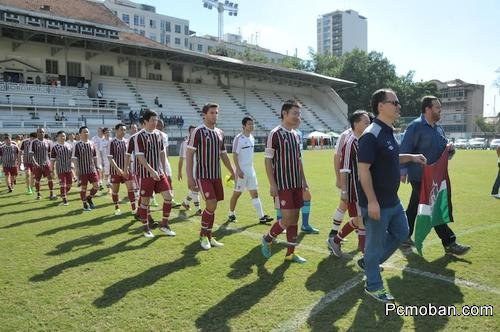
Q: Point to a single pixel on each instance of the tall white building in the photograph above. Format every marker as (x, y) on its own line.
(340, 32)
(144, 20)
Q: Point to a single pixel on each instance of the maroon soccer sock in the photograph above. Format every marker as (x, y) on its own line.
(361, 240)
(51, 185)
(291, 237)
(346, 230)
(114, 196)
(82, 195)
(167, 206)
(275, 230)
(92, 192)
(37, 187)
(205, 222)
(131, 198)
(143, 213)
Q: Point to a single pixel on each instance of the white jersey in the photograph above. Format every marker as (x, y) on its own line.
(244, 147)
(182, 154)
(168, 168)
(342, 140)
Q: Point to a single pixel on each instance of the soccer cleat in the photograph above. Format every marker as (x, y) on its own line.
(90, 203)
(381, 295)
(118, 212)
(38, 197)
(205, 244)
(86, 207)
(231, 218)
(309, 229)
(265, 248)
(53, 197)
(265, 219)
(216, 244)
(198, 212)
(175, 204)
(185, 206)
(167, 231)
(294, 258)
(148, 234)
(65, 202)
(335, 248)
(457, 249)
(29, 191)
(9, 190)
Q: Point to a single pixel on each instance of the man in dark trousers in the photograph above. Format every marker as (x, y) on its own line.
(425, 136)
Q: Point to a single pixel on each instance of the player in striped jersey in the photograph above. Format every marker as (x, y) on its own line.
(286, 178)
(243, 146)
(192, 195)
(207, 141)
(160, 126)
(116, 157)
(349, 185)
(39, 153)
(86, 167)
(150, 152)
(60, 156)
(11, 159)
(28, 166)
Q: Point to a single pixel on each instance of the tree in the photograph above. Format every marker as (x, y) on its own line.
(483, 126)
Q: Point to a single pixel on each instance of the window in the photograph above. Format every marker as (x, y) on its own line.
(136, 19)
(162, 38)
(162, 25)
(177, 28)
(142, 32)
(167, 26)
(107, 70)
(185, 42)
(200, 48)
(186, 30)
(141, 21)
(177, 41)
(74, 69)
(152, 24)
(51, 66)
(134, 68)
(126, 18)
(167, 39)
(157, 66)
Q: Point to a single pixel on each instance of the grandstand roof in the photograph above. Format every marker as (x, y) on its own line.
(130, 43)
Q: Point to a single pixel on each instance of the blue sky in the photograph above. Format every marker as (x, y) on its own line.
(440, 39)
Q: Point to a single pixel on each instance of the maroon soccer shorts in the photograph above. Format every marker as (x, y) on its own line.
(10, 171)
(121, 179)
(66, 177)
(150, 186)
(89, 177)
(211, 189)
(289, 199)
(354, 210)
(28, 167)
(41, 171)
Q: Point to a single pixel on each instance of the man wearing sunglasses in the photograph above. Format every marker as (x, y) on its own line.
(378, 168)
(425, 136)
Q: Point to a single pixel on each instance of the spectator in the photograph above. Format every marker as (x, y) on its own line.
(157, 103)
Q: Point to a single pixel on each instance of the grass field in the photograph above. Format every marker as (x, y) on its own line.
(61, 269)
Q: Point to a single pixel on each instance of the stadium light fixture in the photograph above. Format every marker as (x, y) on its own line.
(222, 6)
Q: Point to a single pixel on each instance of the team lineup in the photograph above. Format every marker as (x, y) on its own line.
(368, 162)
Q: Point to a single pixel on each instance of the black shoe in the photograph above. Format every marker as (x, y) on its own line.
(266, 219)
(89, 201)
(151, 223)
(361, 264)
(231, 218)
(457, 249)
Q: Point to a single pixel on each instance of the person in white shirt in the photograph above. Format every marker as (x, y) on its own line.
(168, 169)
(97, 143)
(104, 144)
(246, 178)
(192, 195)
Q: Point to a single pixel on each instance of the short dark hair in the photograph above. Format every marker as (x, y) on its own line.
(60, 132)
(208, 106)
(121, 124)
(148, 114)
(161, 123)
(105, 130)
(245, 120)
(356, 117)
(288, 105)
(6, 136)
(427, 102)
(33, 135)
(82, 128)
(379, 97)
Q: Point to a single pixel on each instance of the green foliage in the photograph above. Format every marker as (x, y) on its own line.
(484, 126)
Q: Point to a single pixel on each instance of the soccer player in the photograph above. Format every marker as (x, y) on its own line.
(39, 152)
(208, 143)
(150, 152)
(11, 158)
(349, 185)
(192, 195)
(286, 179)
(86, 167)
(103, 151)
(28, 165)
(60, 156)
(246, 178)
(97, 143)
(116, 157)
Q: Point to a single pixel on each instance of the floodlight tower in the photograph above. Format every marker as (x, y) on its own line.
(222, 6)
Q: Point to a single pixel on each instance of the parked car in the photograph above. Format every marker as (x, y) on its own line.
(478, 143)
(494, 143)
(461, 143)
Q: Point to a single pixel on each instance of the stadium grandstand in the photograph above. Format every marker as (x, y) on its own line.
(64, 64)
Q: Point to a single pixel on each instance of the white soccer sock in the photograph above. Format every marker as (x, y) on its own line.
(258, 207)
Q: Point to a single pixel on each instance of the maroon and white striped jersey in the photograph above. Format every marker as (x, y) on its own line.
(344, 136)
(117, 150)
(150, 145)
(9, 154)
(84, 153)
(25, 149)
(349, 165)
(61, 154)
(283, 147)
(209, 146)
(40, 150)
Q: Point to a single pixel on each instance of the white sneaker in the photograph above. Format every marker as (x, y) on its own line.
(118, 212)
(148, 234)
(205, 244)
(215, 243)
(167, 231)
